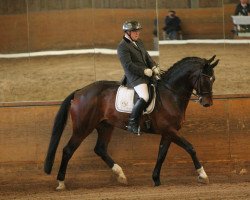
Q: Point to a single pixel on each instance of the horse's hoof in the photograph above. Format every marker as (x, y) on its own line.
(203, 180)
(61, 186)
(157, 183)
(122, 179)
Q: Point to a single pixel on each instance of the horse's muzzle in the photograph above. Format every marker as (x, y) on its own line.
(206, 105)
(206, 101)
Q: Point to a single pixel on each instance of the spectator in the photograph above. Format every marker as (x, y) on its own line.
(172, 25)
(155, 33)
(243, 8)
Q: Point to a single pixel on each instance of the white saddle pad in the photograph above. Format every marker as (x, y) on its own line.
(124, 101)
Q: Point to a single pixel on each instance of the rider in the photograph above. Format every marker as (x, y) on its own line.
(139, 67)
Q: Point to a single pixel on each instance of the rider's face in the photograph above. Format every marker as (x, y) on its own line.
(135, 35)
(244, 1)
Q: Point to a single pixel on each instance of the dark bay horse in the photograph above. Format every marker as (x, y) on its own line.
(93, 107)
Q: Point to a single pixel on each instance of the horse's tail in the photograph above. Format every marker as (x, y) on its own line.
(59, 125)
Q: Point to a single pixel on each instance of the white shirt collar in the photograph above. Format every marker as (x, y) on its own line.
(126, 36)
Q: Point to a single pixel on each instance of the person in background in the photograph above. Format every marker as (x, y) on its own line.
(139, 68)
(172, 25)
(155, 33)
(243, 8)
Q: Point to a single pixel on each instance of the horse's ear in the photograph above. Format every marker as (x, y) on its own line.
(211, 59)
(214, 64)
(206, 67)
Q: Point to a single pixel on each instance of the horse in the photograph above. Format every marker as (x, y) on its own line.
(93, 107)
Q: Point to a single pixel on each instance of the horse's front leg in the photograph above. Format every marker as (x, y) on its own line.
(163, 149)
(182, 142)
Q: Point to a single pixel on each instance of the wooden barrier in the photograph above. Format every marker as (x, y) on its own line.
(220, 135)
(70, 29)
(89, 28)
(202, 23)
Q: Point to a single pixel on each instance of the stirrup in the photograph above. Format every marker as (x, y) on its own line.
(132, 130)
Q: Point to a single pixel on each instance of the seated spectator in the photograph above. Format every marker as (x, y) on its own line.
(155, 33)
(243, 8)
(172, 25)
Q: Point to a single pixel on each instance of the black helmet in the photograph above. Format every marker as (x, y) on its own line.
(131, 26)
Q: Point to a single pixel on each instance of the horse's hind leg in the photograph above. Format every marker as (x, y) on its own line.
(182, 142)
(68, 151)
(104, 135)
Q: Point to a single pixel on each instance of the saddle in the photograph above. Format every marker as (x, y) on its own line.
(126, 98)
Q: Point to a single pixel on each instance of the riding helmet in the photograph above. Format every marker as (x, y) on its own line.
(131, 26)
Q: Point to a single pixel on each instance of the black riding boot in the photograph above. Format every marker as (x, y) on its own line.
(133, 122)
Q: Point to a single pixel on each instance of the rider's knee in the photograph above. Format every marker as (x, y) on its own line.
(145, 97)
(142, 91)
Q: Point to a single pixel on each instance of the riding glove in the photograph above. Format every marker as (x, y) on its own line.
(157, 70)
(148, 72)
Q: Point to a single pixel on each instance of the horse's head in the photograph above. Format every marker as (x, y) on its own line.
(204, 82)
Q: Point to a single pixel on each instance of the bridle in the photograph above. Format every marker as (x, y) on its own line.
(197, 84)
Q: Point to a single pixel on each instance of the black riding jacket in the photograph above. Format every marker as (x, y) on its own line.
(134, 60)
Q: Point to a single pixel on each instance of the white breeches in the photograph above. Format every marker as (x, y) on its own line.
(142, 91)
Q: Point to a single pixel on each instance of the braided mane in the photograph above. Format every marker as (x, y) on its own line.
(182, 62)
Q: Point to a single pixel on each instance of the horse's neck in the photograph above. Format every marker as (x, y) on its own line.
(181, 83)
(181, 87)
